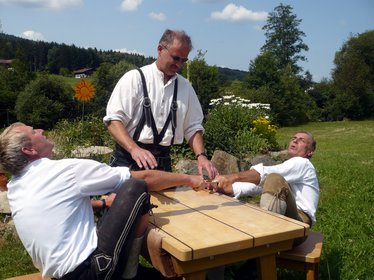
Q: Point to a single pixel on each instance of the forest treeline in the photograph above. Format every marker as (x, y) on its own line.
(31, 87)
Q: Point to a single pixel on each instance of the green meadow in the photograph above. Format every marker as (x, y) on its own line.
(344, 161)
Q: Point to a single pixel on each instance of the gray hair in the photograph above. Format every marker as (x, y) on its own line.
(313, 142)
(12, 159)
(170, 35)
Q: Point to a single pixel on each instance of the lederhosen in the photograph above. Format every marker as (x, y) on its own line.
(162, 153)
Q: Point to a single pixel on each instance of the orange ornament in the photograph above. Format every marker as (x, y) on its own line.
(84, 91)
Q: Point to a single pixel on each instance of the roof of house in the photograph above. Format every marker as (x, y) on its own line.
(81, 71)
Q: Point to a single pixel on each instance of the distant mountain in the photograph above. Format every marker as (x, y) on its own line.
(53, 57)
(227, 74)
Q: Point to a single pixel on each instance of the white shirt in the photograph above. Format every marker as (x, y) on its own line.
(52, 212)
(301, 175)
(126, 105)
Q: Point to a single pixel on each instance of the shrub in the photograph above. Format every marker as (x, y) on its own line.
(239, 127)
(68, 135)
(45, 101)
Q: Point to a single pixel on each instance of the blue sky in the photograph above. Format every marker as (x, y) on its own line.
(229, 31)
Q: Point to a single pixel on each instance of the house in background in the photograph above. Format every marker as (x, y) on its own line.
(83, 73)
(6, 63)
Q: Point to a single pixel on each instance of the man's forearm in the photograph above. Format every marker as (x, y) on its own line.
(121, 135)
(197, 143)
(251, 176)
(160, 180)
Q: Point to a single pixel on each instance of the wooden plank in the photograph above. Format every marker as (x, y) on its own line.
(184, 268)
(264, 226)
(309, 251)
(33, 276)
(202, 234)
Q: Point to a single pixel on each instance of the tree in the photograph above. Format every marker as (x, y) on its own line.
(284, 39)
(294, 105)
(263, 70)
(273, 75)
(353, 78)
(45, 101)
(13, 81)
(203, 79)
(105, 79)
(281, 88)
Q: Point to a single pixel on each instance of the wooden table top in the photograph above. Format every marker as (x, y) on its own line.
(202, 224)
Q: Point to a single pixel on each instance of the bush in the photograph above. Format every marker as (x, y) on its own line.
(68, 135)
(45, 101)
(239, 127)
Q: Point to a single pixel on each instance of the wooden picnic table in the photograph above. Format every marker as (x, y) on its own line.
(204, 230)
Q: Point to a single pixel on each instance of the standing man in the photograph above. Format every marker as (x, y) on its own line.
(290, 188)
(154, 108)
(52, 212)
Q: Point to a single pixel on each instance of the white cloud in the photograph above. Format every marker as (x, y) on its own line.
(238, 13)
(206, 1)
(49, 4)
(157, 16)
(124, 50)
(33, 35)
(130, 5)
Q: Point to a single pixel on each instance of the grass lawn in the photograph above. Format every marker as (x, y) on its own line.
(345, 165)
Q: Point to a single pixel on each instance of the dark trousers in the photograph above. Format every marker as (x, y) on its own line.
(121, 157)
(116, 234)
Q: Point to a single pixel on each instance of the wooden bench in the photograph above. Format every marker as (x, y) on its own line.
(34, 276)
(305, 257)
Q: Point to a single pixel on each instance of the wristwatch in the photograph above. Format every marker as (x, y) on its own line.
(202, 154)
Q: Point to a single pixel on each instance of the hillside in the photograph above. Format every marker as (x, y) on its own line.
(53, 57)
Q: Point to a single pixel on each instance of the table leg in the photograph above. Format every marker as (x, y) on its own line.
(266, 268)
(198, 275)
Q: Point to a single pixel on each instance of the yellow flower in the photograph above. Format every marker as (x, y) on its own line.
(84, 91)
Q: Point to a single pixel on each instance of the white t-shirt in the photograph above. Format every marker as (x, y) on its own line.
(301, 175)
(52, 212)
(126, 105)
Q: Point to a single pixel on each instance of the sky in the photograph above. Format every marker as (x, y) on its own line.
(230, 32)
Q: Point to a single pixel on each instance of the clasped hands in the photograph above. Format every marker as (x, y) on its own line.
(219, 184)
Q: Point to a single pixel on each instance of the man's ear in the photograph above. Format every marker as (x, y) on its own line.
(309, 154)
(159, 48)
(29, 151)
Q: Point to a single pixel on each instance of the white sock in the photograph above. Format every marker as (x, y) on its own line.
(131, 267)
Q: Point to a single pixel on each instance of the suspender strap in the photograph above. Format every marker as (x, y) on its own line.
(147, 116)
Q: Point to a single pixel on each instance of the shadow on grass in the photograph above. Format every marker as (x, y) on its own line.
(330, 266)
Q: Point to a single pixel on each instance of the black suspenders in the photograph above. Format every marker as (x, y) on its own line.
(147, 116)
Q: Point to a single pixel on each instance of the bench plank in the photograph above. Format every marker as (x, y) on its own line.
(33, 276)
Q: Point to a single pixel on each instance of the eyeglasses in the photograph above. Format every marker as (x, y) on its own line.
(175, 57)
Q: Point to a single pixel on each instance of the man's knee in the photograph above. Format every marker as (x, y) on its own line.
(133, 187)
(274, 183)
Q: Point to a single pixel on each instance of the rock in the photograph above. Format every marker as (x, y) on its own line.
(84, 152)
(187, 166)
(4, 205)
(266, 160)
(227, 163)
(280, 156)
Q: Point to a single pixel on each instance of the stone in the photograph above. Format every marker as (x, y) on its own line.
(84, 152)
(4, 205)
(227, 163)
(187, 166)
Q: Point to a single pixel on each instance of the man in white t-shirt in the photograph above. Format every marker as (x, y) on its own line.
(52, 212)
(290, 188)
